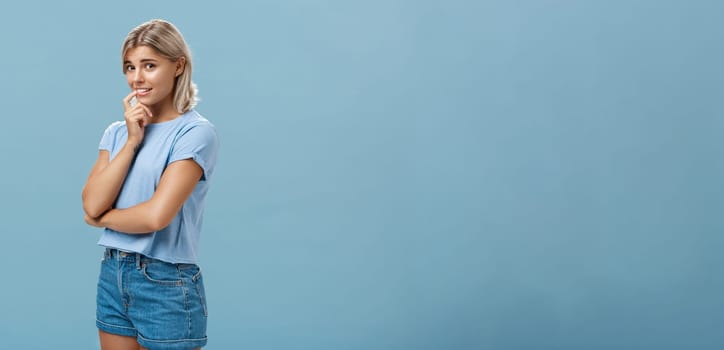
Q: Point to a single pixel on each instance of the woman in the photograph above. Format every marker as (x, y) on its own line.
(147, 190)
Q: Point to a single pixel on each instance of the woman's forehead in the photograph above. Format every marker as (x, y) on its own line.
(141, 52)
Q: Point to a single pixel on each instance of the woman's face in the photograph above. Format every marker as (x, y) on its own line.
(151, 75)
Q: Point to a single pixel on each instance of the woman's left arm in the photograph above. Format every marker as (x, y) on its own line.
(176, 185)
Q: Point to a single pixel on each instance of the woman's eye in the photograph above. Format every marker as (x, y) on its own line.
(150, 65)
(129, 68)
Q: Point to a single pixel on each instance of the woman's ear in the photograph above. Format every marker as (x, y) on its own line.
(180, 65)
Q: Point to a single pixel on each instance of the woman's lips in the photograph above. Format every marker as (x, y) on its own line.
(142, 92)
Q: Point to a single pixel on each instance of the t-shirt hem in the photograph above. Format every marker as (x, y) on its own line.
(162, 258)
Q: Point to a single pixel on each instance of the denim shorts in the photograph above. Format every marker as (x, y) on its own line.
(162, 305)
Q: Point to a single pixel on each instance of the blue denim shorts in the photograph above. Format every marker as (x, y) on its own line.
(162, 305)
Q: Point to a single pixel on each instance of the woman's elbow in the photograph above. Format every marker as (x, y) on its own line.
(92, 208)
(94, 211)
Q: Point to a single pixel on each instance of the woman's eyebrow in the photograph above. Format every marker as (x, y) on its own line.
(142, 60)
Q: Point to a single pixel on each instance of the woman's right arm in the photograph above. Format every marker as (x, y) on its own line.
(106, 177)
(105, 180)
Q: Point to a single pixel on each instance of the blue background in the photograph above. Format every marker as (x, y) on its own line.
(394, 174)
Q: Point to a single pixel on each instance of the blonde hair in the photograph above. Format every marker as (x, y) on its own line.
(168, 42)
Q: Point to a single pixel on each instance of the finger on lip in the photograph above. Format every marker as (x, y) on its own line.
(127, 100)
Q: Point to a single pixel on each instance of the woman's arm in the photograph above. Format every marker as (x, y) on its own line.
(176, 185)
(106, 178)
(105, 181)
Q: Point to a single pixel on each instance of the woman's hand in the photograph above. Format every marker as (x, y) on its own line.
(137, 117)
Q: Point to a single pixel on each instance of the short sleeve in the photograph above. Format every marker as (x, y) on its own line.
(109, 136)
(199, 143)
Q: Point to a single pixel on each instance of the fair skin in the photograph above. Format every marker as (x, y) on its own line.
(151, 78)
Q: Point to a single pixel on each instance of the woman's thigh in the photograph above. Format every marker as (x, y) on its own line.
(117, 342)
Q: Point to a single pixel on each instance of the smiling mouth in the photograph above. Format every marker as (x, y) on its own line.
(142, 91)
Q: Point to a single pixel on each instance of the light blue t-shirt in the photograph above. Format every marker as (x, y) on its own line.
(189, 136)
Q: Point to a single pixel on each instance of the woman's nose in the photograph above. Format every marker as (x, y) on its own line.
(137, 76)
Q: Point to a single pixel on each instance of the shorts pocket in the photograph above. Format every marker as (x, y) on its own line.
(193, 277)
(201, 292)
(161, 273)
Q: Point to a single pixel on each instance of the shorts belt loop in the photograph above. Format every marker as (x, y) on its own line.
(138, 261)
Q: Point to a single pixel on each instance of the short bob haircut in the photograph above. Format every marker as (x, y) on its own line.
(168, 42)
